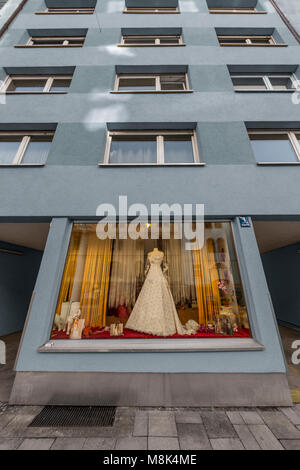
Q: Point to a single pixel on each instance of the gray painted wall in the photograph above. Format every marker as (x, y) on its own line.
(72, 185)
(291, 9)
(282, 271)
(17, 278)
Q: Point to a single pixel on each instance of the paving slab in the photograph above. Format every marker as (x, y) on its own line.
(140, 427)
(264, 437)
(246, 437)
(162, 425)
(251, 417)
(279, 424)
(10, 443)
(68, 443)
(132, 443)
(5, 418)
(99, 443)
(217, 424)
(226, 444)
(291, 414)
(188, 417)
(163, 443)
(16, 427)
(291, 444)
(36, 444)
(192, 436)
(235, 417)
(91, 431)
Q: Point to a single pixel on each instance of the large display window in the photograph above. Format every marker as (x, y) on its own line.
(151, 288)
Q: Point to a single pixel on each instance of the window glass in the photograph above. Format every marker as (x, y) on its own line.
(150, 41)
(137, 84)
(172, 82)
(150, 287)
(260, 41)
(165, 40)
(60, 84)
(48, 42)
(178, 149)
(37, 150)
(232, 41)
(27, 85)
(133, 149)
(272, 148)
(282, 83)
(8, 149)
(246, 83)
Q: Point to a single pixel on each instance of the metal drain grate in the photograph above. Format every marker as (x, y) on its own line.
(63, 416)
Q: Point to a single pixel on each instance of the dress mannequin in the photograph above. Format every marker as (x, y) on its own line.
(154, 311)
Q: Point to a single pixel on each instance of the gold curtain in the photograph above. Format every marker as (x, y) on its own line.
(94, 291)
(68, 276)
(206, 279)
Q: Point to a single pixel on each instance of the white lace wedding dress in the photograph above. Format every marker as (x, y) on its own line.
(154, 311)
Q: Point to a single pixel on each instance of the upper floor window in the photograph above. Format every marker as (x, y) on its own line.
(24, 148)
(36, 84)
(137, 83)
(54, 41)
(148, 40)
(67, 11)
(275, 146)
(234, 10)
(265, 40)
(265, 82)
(151, 148)
(151, 10)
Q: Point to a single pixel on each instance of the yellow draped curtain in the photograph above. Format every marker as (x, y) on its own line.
(95, 284)
(68, 276)
(206, 280)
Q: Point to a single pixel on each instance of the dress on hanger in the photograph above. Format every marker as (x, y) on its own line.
(154, 311)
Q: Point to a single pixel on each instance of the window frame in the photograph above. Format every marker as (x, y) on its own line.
(159, 147)
(67, 11)
(248, 40)
(25, 141)
(291, 133)
(157, 39)
(49, 79)
(157, 77)
(235, 10)
(151, 10)
(267, 82)
(64, 39)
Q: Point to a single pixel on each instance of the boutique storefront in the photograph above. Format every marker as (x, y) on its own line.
(148, 322)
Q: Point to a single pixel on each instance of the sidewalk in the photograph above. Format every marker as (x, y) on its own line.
(159, 429)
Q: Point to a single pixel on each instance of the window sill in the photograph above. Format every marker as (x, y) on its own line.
(33, 46)
(33, 93)
(22, 165)
(266, 91)
(253, 45)
(150, 45)
(277, 163)
(238, 12)
(151, 91)
(137, 12)
(153, 345)
(141, 165)
(63, 13)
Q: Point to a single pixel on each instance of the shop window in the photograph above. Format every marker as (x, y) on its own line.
(150, 287)
(24, 148)
(151, 148)
(275, 146)
(151, 10)
(247, 40)
(151, 82)
(54, 41)
(36, 84)
(148, 40)
(265, 82)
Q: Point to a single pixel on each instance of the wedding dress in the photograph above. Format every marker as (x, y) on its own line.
(154, 311)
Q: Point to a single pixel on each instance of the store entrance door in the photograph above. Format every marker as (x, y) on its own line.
(21, 250)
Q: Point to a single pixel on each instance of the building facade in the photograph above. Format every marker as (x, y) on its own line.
(164, 102)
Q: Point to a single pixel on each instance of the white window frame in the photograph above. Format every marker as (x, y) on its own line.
(65, 41)
(156, 38)
(25, 140)
(266, 79)
(292, 138)
(157, 78)
(49, 79)
(160, 147)
(66, 11)
(151, 10)
(248, 40)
